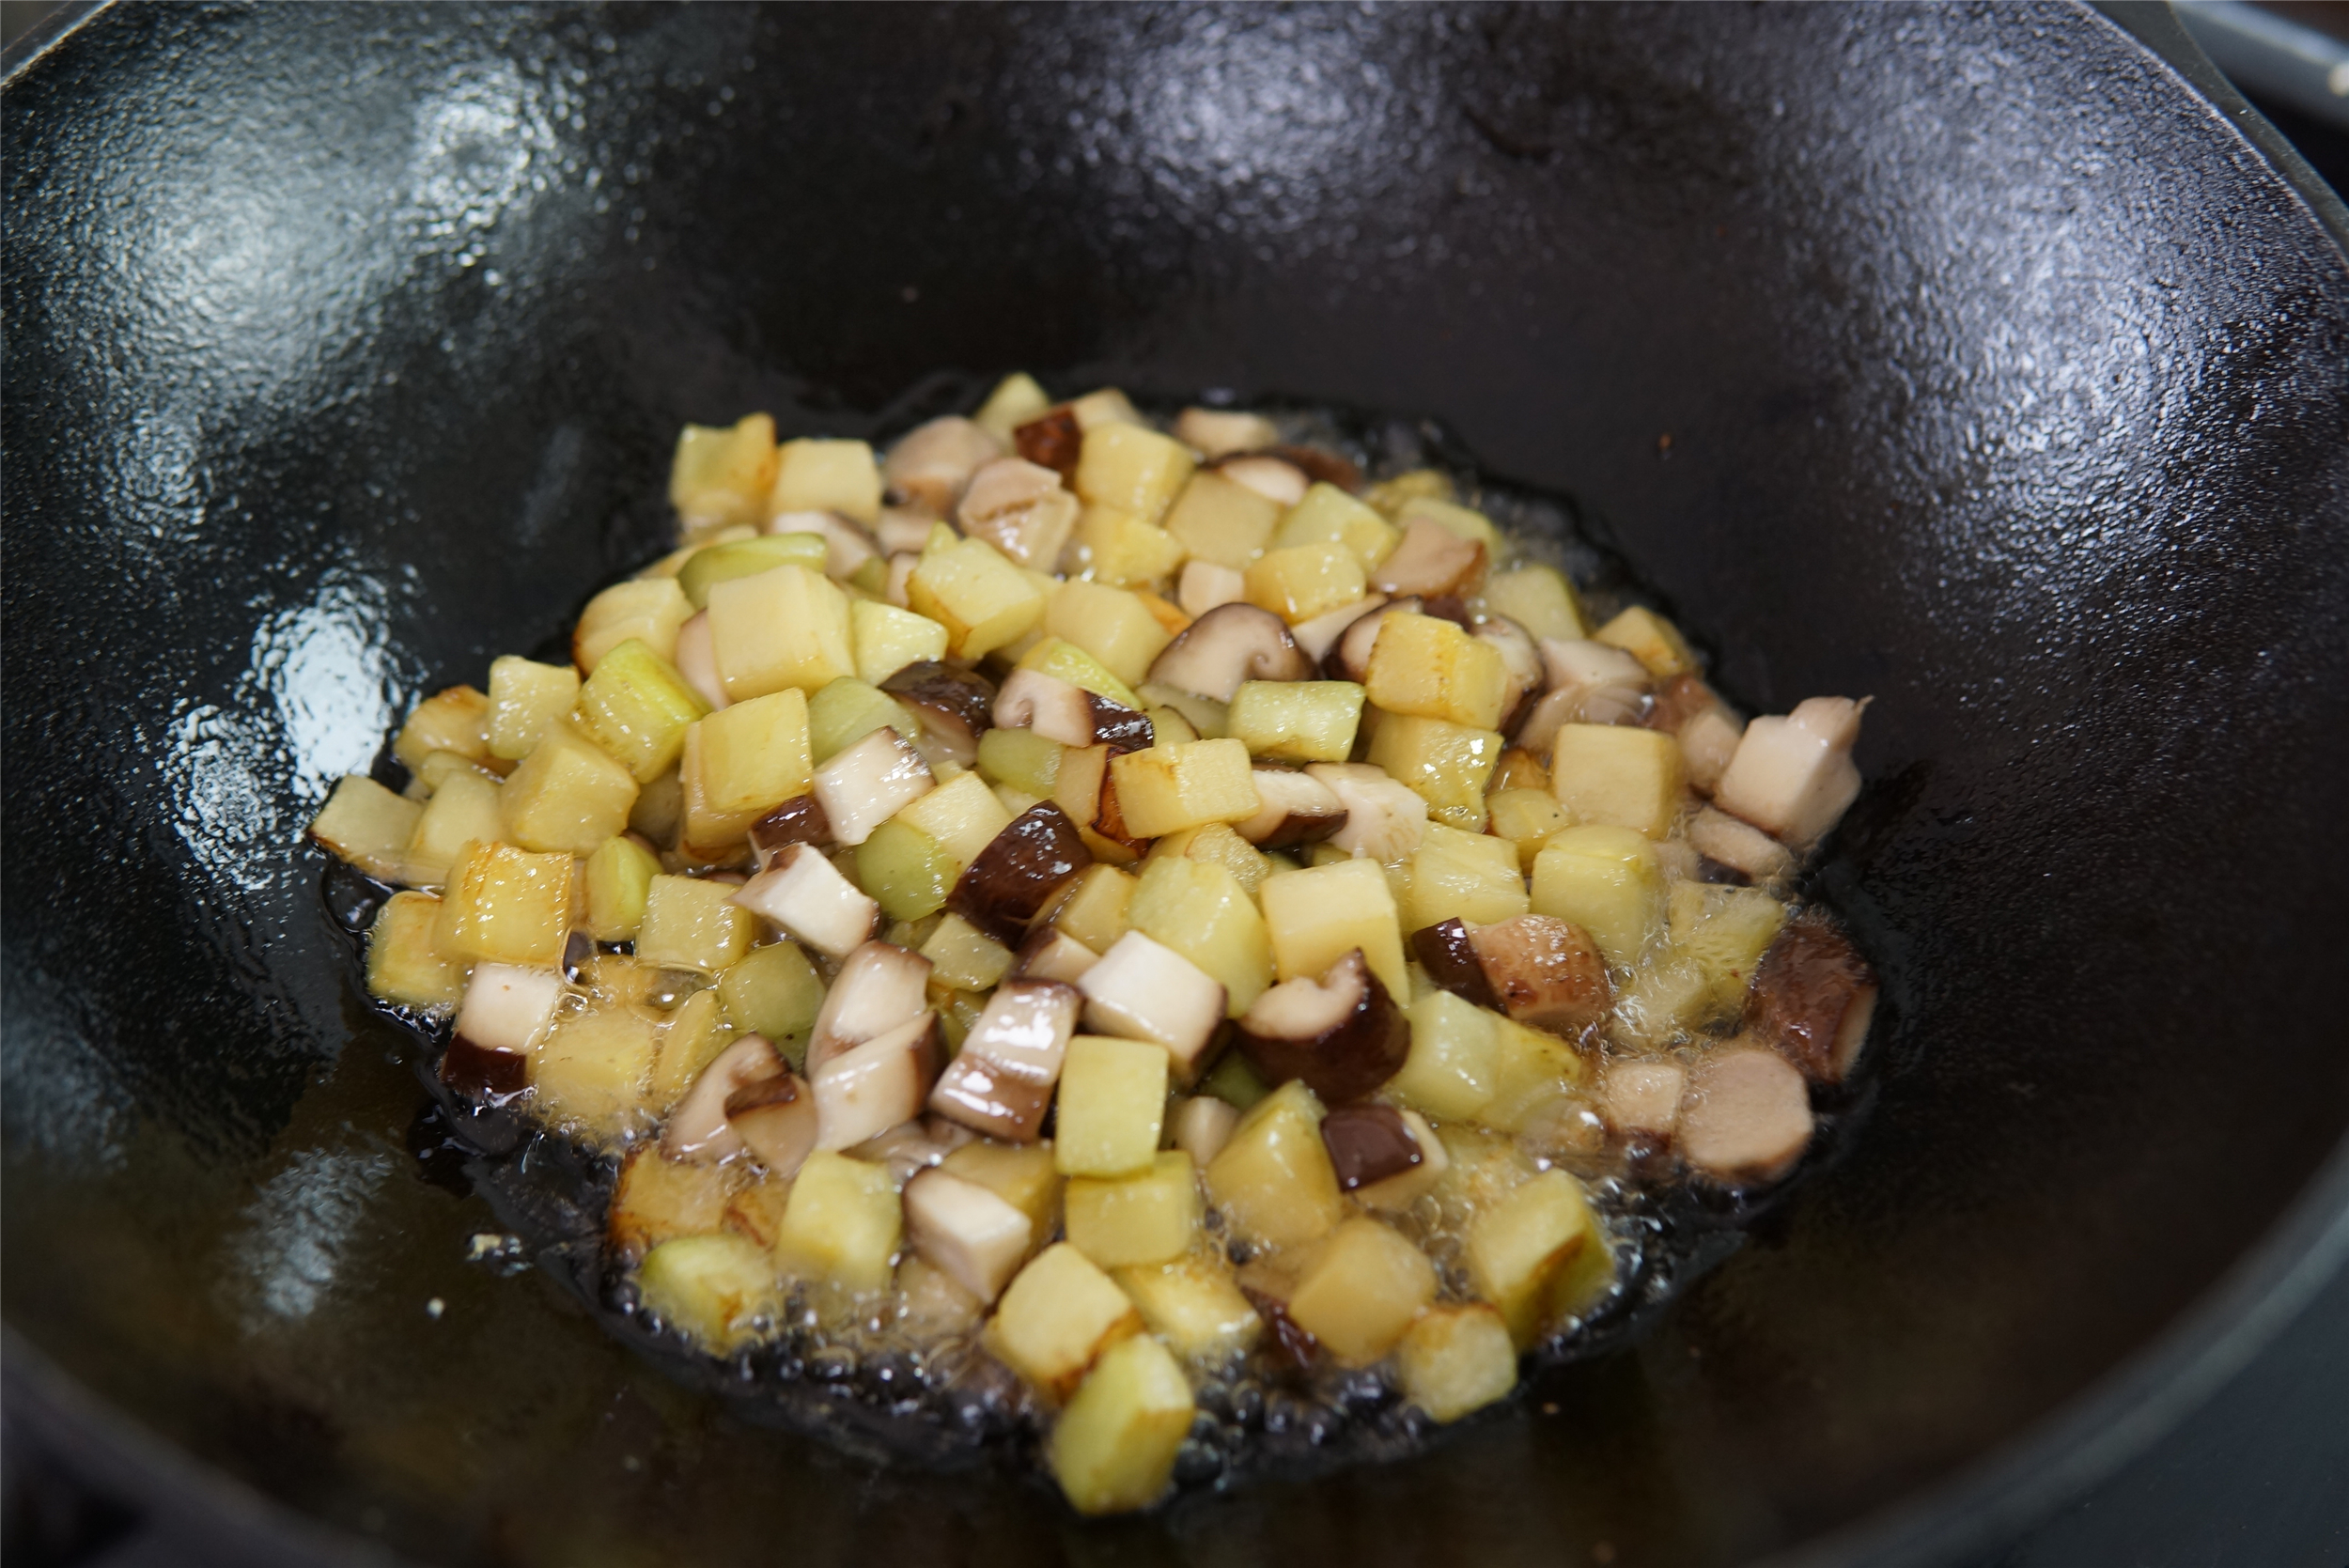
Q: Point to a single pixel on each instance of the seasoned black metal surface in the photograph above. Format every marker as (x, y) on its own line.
(1959, 356)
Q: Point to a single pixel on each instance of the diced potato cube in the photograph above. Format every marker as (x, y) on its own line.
(887, 639)
(981, 598)
(1104, 405)
(827, 476)
(1056, 1318)
(1468, 876)
(456, 720)
(1296, 720)
(368, 826)
(593, 1072)
(620, 876)
(403, 964)
(636, 706)
(690, 924)
(1652, 639)
(1725, 930)
(1150, 1217)
(1199, 909)
(1131, 468)
(1094, 909)
(1517, 1246)
(1114, 546)
(1319, 915)
(756, 754)
(1113, 1448)
(905, 872)
(961, 817)
(464, 809)
(696, 1031)
(931, 1304)
(1192, 1305)
(965, 957)
(1609, 881)
(1525, 818)
(1020, 759)
(1305, 582)
(1454, 1068)
(1329, 516)
(1218, 521)
(773, 990)
(647, 609)
(1444, 764)
(525, 699)
(1540, 599)
(1112, 1101)
(1015, 400)
(721, 475)
(1429, 667)
(1273, 1179)
(1456, 1360)
(1617, 774)
(716, 1288)
(1111, 625)
(1022, 1174)
(507, 906)
(842, 1222)
(569, 795)
(1215, 842)
(784, 628)
(1164, 789)
(1361, 1291)
(1533, 1072)
(657, 1198)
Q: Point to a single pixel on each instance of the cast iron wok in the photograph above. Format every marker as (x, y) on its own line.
(1966, 357)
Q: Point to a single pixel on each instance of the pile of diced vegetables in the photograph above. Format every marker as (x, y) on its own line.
(1130, 900)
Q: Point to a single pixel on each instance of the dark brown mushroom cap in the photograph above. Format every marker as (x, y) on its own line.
(1119, 727)
(1368, 1144)
(1051, 439)
(484, 1071)
(1228, 645)
(1322, 466)
(1444, 951)
(1812, 999)
(1018, 872)
(797, 820)
(1289, 1338)
(1341, 1034)
(954, 704)
(1545, 971)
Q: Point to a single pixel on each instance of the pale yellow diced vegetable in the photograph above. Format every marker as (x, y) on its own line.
(786, 626)
(1305, 582)
(507, 906)
(886, 639)
(980, 598)
(1538, 598)
(1113, 1102)
(456, 720)
(1329, 516)
(649, 610)
(962, 816)
(1272, 1180)
(568, 794)
(827, 476)
(1427, 666)
(1525, 818)
(1468, 876)
(842, 1223)
(368, 826)
(964, 957)
(1015, 400)
(1296, 720)
(1193, 1305)
(1113, 1448)
(1456, 1360)
(619, 877)
(721, 475)
(1652, 639)
(1444, 764)
(637, 707)
(1217, 842)
(464, 809)
(526, 699)
(1131, 468)
(1150, 1217)
(716, 1288)
(1115, 545)
(1164, 789)
(404, 965)
(1614, 773)
(1319, 915)
(1110, 624)
(1200, 910)
(1094, 909)
(690, 924)
(1218, 521)
(754, 755)
(1452, 1070)
(1517, 1246)
(593, 1073)
(1609, 881)
(1056, 1317)
(1362, 1289)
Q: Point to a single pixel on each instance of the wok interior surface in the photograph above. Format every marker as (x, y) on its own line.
(1958, 356)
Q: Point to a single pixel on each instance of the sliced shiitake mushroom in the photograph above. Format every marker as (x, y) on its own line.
(486, 1072)
(1297, 808)
(1322, 466)
(1066, 712)
(1019, 871)
(969, 1234)
(1348, 658)
(697, 1128)
(1145, 990)
(804, 893)
(1431, 559)
(1274, 478)
(1547, 972)
(1812, 999)
(1445, 951)
(1745, 1117)
(1227, 647)
(1385, 819)
(1021, 509)
(1594, 683)
(1206, 586)
(880, 987)
(1000, 1084)
(1343, 1035)
(847, 546)
(864, 1090)
(697, 660)
(775, 1117)
(1054, 954)
(1200, 1125)
(1052, 440)
(797, 820)
(1368, 1144)
(1319, 636)
(1223, 432)
(1522, 658)
(932, 463)
(1640, 1098)
(865, 784)
(1739, 845)
(954, 704)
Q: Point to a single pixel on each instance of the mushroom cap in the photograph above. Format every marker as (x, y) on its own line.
(1018, 872)
(954, 704)
(1341, 1034)
(1231, 644)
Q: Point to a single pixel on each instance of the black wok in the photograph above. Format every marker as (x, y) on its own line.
(1968, 357)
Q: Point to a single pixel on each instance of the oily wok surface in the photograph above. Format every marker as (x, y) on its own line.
(1961, 357)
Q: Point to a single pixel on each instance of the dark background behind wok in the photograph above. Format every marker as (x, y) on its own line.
(2001, 379)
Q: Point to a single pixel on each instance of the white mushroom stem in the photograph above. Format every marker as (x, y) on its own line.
(1274, 478)
(507, 1007)
(1230, 645)
(897, 587)
(967, 1232)
(697, 662)
(878, 989)
(1002, 1081)
(903, 530)
(1739, 845)
(1202, 1126)
(1709, 741)
(1222, 432)
(775, 1117)
(1021, 509)
(1385, 820)
(867, 783)
(698, 1128)
(1610, 686)
(1641, 1098)
(1431, 560)
(932, 463)
(847, 547)
(806, 894)
(1745, 1117)
(1142, 990)
(862, 1093)
(1054, 954)
(1206, 586)
(1320, 634)
(1794, 777)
